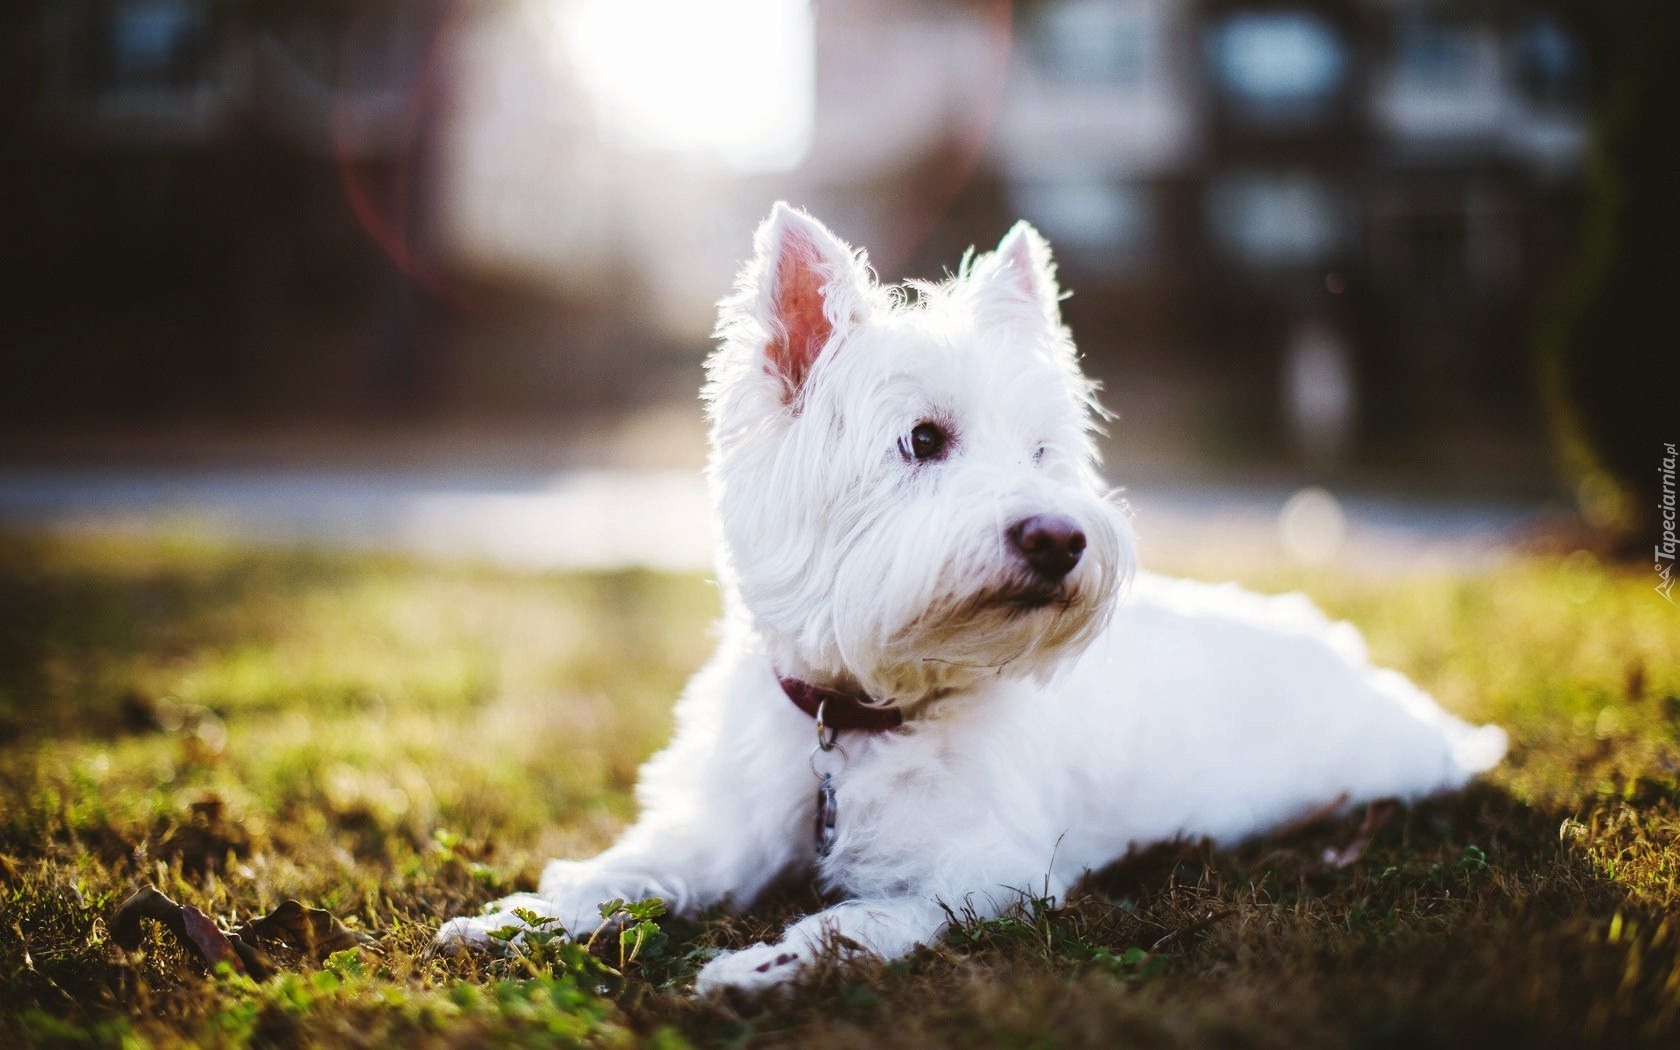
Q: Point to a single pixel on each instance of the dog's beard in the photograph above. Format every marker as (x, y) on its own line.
(1012, 630)
(1004, 622)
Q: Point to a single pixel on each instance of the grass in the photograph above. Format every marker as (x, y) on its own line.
(398, 742)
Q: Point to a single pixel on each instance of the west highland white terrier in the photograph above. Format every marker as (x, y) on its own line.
(933, 690)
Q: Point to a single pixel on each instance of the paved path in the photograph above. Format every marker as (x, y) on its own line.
(599, 519)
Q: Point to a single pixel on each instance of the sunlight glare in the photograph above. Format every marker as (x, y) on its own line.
(730, 81)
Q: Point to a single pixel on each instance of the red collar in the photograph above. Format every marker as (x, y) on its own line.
(840, 710)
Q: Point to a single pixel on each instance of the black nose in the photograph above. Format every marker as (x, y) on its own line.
(1051, 543)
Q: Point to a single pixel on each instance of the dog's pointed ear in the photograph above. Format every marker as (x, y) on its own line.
(803, 286)
(1021, 269)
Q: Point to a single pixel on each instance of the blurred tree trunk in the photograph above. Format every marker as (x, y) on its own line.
(1610, 347)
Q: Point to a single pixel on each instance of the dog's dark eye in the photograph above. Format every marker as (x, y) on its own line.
(927, 441)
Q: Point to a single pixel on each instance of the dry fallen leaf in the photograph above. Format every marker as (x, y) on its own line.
(310, 931)
(313, 931)
(191, 927)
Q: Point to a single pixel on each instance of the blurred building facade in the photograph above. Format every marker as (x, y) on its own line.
(1344, 208)
(1352, 206)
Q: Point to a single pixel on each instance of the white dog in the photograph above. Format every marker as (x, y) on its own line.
(915, 545)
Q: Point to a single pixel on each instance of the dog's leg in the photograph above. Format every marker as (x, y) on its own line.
(659, 857)
(887, 927)
(687, 863)
(722, 815)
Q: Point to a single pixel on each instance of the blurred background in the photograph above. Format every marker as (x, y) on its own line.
(439, 274)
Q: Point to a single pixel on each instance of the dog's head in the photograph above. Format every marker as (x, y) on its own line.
(905, 477)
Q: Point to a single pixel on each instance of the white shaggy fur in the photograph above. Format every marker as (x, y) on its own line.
(1039, 742)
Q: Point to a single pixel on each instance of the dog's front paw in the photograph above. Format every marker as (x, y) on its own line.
(755, 969)
(499, 930)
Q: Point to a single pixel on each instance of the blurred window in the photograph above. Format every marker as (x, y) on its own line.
(1270, 219)
(1281, 63)
(1549, 67)
(1438, 250)
(1435, 53)
(1088, 41)
(1099, 222)
(152, 46)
